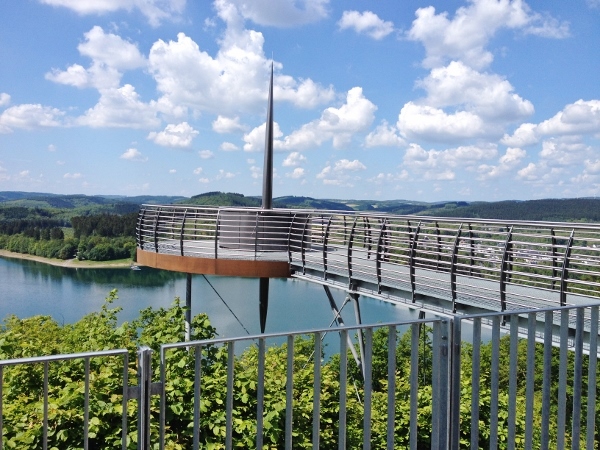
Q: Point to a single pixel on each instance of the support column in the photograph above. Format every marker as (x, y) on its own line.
(188, 306)
(361, 338)
(338, 317)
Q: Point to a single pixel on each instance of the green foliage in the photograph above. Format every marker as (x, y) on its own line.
(40, 335)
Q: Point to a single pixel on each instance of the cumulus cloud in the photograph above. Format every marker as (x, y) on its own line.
(255, 139)
(198, 170)
(206, 154)
(335, 124)
(223, 174)
(296, 174)
(442, 164)
(120, 108)
(229, 147)
(133, 154)
(366, 23)
(340, 174)
(111, 55)
(155, 11)
(384, 136)
(223, 125)
(4, 99)
(506, 164)
(280, 13)
(29, 116)
(73, 176)
(294, 159)
(180, 135)
(465, 36)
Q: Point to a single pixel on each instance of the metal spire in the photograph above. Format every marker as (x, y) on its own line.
(267, 200)
(267, 193)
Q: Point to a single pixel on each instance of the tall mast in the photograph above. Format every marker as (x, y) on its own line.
(267, 192)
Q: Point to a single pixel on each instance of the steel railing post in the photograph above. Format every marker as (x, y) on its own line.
(144, 384)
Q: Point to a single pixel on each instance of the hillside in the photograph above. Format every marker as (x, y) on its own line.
(31, 205)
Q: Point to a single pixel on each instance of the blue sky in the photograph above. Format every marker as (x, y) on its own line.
(429, 100)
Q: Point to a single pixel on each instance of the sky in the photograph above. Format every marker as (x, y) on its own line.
(424, 100)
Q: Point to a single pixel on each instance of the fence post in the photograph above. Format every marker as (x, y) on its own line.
(144, 385)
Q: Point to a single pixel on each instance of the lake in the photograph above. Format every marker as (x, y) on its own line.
(30, 288)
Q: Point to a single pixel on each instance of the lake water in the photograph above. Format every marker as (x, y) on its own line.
(30, 288)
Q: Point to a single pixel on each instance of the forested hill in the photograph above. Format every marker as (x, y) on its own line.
(553, 210)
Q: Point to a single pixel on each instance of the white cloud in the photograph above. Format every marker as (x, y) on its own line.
(489, 96)
(296, 174)
(336, 124)
(294, 159)
(341, 173)
(234, 81)
(367, 23)
(465, 36)
(110, 55)
(133, 154)
(51, 148)
(4, 99)
(384, 136)
(120, 108)
(256, 172)
(433, 124)
(225, 175)
(523, 136)
(229, 147)
(506, 164)
(280, 13)
(172, 170)
(224, 125)
(203, 180)
(28, 116)
(255, 139)
(198, 170)
(180, 135)
(155, 11)
(385, 178)
(206, 154)
(579, 117)
(73, 176)
(442, 164)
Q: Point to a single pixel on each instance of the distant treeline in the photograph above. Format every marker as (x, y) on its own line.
(554, 210)
(107, 225)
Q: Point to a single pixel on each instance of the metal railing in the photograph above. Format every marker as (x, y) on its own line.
(482, 381)
(507, 265)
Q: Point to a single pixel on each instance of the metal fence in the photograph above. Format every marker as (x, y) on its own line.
(483, 381)
(500, 264)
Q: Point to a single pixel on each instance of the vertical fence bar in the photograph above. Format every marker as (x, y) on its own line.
(547, 380)
(260, 394)
(144, 379)
(577, 381)
(561, 420)
(368, 374)
(163, 399)
(86, 402)
(529, 389)
(435, 388)
(343, 381)
(45, 437)
(414, 385)
(229, 398)
(391, 406)
(197, 394)
(455, 384)
(124, 401)
(1, 407)
(475, 380)
(289, 393)
(512, 381)
(495, 384)
(316, 392)
(593, 359)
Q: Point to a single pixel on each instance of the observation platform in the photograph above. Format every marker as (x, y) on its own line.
(443, 264)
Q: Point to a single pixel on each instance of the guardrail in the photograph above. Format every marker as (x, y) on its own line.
(439, 257)
(441, 382)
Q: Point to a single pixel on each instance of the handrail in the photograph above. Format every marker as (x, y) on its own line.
(516, 261)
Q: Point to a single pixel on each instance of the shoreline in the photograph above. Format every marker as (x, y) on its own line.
(69, 263)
